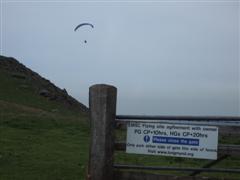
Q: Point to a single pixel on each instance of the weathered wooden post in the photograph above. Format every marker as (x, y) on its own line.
(102, 104)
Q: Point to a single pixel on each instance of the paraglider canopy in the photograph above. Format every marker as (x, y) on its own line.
(83, 24)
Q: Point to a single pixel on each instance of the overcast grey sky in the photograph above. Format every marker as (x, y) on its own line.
(165, 58)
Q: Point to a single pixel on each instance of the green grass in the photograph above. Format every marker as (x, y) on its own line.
(35, 141)
(43, 146)
(23, 92)
(148, 160)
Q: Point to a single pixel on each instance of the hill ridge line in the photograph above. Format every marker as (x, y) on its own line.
(41, 85)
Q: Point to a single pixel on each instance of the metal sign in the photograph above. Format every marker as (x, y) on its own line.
(191, 141)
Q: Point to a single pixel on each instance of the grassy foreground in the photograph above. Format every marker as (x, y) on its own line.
(39, 139)
(42, 145)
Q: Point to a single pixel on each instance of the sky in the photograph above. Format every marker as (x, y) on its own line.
(164, 57)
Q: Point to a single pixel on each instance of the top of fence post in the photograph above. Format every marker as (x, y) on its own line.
(102, 104)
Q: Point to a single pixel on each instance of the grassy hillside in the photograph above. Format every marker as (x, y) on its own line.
(39, 138)
(31, 88)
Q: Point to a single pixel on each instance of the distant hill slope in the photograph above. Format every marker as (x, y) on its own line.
(20, 84)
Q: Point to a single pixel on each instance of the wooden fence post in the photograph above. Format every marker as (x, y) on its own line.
(102, 104)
